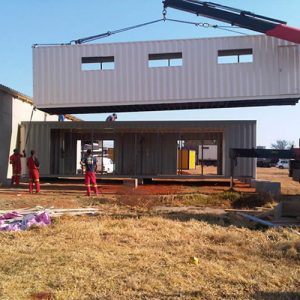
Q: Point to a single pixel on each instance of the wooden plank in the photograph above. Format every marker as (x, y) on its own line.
(40, 209)
(266, 213)
(242, 210)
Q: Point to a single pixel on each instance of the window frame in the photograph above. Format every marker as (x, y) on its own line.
(235, 54)
(102, 61)
(169, 58)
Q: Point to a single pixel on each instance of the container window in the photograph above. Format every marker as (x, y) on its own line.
(97, 63)
(235, 56)
(165, 60)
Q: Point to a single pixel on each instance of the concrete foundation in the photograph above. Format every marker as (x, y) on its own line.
(140, 181)
(261, 186)
(131, 182)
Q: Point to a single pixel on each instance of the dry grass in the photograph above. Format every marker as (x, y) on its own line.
(132, 251)
(131, 257)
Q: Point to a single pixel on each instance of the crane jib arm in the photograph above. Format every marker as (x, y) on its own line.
(285, 32)
(243, 19)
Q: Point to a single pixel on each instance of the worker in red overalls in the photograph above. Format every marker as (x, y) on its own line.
(90, 164)
(34, 174)
(15, 161)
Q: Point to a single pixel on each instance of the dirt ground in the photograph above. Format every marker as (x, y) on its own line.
(71, 193)
(159, 241)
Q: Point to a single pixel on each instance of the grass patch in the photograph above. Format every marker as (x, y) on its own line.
(253, 200)
(225, 199)
(231, 196)
(146, 258)
(194, 199)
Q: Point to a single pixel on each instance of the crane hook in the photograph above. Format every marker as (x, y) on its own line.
(164, 13)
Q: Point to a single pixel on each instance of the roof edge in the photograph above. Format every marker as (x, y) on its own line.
(28, 99)
(170, 106)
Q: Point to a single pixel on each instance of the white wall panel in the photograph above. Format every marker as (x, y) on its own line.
(60, 82)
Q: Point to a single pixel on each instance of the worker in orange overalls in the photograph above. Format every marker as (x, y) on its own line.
(15, 161)
(90, 164)
(34, 174)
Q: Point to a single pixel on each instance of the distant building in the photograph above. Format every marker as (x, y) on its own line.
(15, 108)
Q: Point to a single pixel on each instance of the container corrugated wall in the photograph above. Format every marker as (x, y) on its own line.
(160, 147)
(60, 82)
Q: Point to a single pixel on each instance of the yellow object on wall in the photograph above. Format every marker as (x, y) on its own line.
(192, 159)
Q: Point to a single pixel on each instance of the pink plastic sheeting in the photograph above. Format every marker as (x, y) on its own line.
(8, 221)
(10, 215)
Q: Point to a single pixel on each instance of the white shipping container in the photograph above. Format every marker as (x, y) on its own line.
(160, 144)
(172, 74)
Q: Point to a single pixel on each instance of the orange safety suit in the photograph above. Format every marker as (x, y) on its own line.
(90, 164)
(34, 174)
(15, 161)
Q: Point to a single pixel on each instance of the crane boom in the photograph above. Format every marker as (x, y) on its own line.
(237, 17)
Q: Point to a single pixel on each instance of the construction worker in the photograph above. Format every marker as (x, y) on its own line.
(90, 164)
(112, 118)
(34, 174)
(15, 161)
(61, 118)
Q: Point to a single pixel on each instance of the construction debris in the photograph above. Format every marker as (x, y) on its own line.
(257, 220)
(14, 221)
(39, 216)
(285, 214)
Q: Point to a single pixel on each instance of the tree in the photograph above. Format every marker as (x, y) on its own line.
(282, 145)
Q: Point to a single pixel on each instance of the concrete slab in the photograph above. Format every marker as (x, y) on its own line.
(287, 209)
(263, 186)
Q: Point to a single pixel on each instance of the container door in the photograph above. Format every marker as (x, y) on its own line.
(289, 78)
(147, 154)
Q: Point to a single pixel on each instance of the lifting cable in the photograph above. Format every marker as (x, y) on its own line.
(108, 33)
(164, 18)
(207, 25)
(201, 24)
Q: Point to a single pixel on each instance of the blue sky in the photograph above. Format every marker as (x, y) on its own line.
(25, 22)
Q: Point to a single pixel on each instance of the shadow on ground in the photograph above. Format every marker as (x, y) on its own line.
(277, 296)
